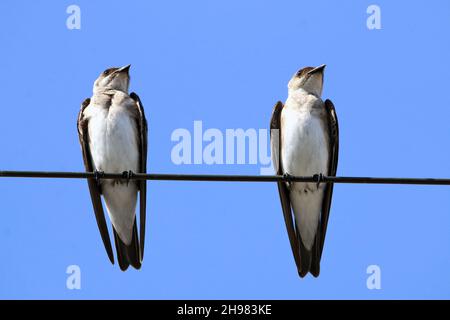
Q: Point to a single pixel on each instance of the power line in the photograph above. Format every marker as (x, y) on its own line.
(231, 178)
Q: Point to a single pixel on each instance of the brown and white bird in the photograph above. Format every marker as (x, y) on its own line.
(113, 135)
(305, 142)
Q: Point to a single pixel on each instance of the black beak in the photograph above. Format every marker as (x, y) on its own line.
(317, 69)
(124, 69)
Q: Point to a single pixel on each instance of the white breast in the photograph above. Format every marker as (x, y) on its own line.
(304, 149)
(113, 139)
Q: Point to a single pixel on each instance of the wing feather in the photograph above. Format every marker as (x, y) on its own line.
(333, 130)
(143, 132)
(275, 142)
(94, 189)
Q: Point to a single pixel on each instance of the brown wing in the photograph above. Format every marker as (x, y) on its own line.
(333, 130)
(142, 125)
(94, 189)
(275, 141)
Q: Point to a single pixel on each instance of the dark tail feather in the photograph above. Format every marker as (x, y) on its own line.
(128, 255)
(305, 258)
(315, 262)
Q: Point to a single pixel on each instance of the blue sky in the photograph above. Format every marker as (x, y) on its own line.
(226, 63)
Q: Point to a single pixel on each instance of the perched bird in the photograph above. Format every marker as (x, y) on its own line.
(113, 135)
(305, 142)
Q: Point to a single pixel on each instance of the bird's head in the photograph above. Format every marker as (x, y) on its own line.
(309, 79)
(113, 79)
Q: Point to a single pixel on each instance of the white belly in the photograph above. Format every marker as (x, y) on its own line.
(113, 140)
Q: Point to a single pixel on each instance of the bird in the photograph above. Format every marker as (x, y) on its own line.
(304, 136)
(112, 131)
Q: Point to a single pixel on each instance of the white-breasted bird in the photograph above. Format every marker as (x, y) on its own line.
(112, 131)
(305, 142)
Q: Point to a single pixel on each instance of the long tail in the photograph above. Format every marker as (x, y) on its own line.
(316, 255)
(128, 255)
(305, 256)
(310, 260)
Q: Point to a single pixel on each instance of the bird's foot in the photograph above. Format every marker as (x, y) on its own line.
(318, 178)
(127, 175)
(98, 175)
(288, 179)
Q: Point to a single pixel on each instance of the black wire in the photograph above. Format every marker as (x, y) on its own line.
(232, 178)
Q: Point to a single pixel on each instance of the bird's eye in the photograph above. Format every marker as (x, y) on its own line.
(108, 71)
(303, 71)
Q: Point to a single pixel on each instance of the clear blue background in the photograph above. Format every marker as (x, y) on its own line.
(226, 63)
